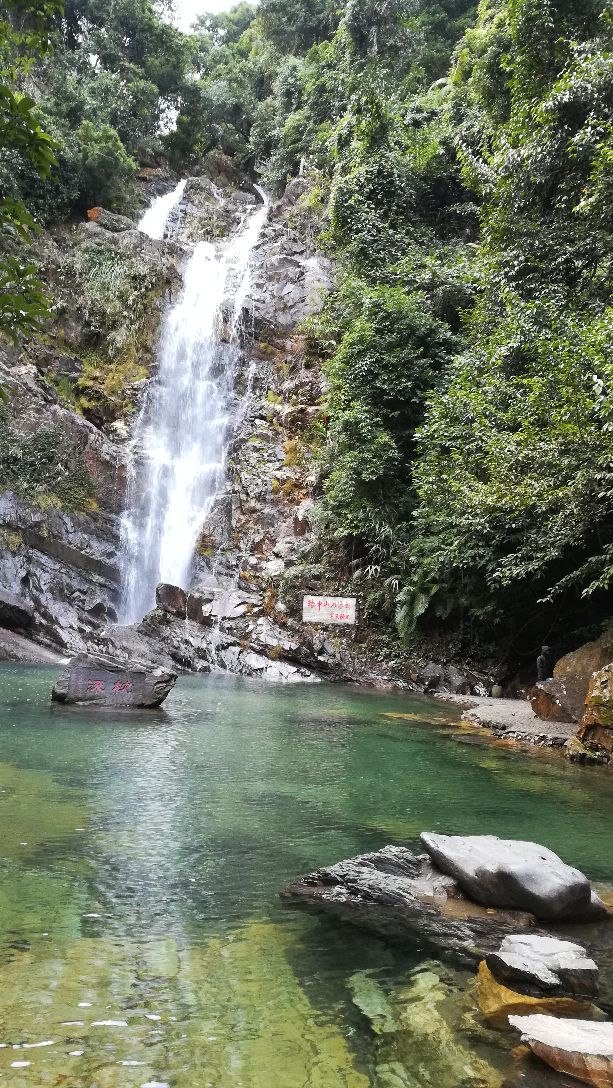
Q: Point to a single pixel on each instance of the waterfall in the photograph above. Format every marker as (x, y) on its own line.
(156, 217)
(181, 435)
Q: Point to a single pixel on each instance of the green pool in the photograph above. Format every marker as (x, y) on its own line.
(141, 938)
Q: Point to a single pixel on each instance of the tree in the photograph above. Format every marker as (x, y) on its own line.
(24, 36)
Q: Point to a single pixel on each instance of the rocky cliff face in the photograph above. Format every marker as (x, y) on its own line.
(69, 397)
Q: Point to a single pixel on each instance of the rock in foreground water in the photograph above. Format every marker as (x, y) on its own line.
(399, 895)
(515, 875)
(580, 1048)
(498, 1002)
(544, 965)
(102, 681)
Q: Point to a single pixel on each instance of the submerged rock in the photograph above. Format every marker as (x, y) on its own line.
(544, 965)
(428, 1045)
(515, 875)
(580, 1048)
(372, 1001)
(399, 895)
(102, 681)
(498, 1002)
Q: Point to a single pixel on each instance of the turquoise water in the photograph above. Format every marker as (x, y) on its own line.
(141, 856)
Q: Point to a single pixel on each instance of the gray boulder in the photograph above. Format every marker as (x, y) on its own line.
(398, 895)
(544, 965)
(102, 681)
(515, 875)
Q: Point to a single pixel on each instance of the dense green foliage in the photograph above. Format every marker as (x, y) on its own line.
(24, 36)
(462, 163)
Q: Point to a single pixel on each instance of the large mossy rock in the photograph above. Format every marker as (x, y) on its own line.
(596, 729)
(102, 681)
(515, 875)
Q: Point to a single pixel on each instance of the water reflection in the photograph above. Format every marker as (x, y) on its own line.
(141, 939)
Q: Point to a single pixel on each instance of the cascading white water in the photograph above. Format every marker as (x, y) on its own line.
(182, 432)
(156, 217)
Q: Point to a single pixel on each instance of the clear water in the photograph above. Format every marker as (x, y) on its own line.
(141, 937)
(181, 435)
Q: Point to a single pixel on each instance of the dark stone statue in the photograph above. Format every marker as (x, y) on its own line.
(543, 664)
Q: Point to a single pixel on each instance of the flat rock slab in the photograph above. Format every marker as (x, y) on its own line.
(515, 875)
(396, 894)
(102, 681)
(580, 1048)
(544, 965)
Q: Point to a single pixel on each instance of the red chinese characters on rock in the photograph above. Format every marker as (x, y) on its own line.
(122, 686)
(328, 609)
(99, 686)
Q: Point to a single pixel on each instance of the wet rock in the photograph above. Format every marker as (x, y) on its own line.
(394, 893)
(103, 681)
(579, 1048)
(15, 612)
(514, 875)
(232, 604)
(498, 1002)
(539, 965)
(577, 752)
(119, 430)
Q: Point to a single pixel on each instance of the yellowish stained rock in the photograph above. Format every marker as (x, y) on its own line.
(497, 1002)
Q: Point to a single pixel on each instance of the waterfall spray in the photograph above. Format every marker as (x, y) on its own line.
(181, 435)
(156, 217)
